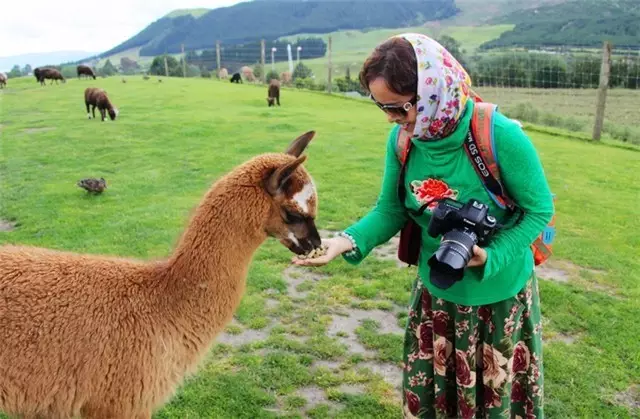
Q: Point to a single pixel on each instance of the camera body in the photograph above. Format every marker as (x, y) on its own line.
(472, 217)
(462, 225)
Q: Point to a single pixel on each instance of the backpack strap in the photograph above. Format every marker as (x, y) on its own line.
(480, 148)
(403, 145)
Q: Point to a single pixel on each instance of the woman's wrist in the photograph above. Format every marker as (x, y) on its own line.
(350, 247)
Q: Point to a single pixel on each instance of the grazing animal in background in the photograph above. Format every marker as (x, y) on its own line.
(93, 185)
(285, 78)
(96, 336)
(274, 92)
(247, 73)
(36, 73)
(236, 78)
(51, 74)
(85, 70)
(97, 97)
(3, 80)
(223, 74)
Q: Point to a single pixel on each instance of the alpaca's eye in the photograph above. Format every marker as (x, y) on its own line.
(293, 218)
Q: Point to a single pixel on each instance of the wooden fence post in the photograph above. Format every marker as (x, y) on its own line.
(218, 57)
(184, 62)
(329, 87)
(262, 59)
(605, 71)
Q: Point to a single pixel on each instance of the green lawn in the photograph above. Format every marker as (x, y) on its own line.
(288, 351)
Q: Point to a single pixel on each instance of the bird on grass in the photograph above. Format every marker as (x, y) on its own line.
(93, 185)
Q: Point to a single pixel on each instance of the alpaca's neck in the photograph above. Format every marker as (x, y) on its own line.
(207, 273)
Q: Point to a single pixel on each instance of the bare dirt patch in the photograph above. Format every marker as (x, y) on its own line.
(295, 276)
(564, 338)
(37, 130)
(352, 389)
(563, 271)
(344, 327)
(390, 373)
(314, 396)
(7, 225)
(246, 336)
(629, 398)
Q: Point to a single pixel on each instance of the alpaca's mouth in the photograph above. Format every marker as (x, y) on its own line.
(300, 246)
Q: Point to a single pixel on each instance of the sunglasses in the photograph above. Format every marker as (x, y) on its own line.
(395, 109)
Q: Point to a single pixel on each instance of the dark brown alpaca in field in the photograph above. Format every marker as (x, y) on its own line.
(274, 92)
(96, 97)
(85, 70)
(51, 74)
(106, 337)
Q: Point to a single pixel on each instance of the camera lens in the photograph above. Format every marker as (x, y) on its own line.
(449, 261)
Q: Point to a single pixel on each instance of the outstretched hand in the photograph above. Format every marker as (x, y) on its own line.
(335, 247)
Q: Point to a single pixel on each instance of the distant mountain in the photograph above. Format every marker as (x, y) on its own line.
(578, 23)
(43, 58)
(271, 19)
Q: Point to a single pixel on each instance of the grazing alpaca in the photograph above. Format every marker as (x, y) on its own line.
(247, 73)
(274, 92)
(236, 78)
(223, 74)
(51, 74)
(3, 80)
(106, 337)
(85, 70)
(97, 97)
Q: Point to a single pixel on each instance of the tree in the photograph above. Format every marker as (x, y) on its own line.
(109, 69)
(15, 71)
(301, 72)
(454, 49)
(26, 70)
(128, 65)
(157, 66)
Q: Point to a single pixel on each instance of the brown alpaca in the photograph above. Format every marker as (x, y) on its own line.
(273, 93)
(105, 337)
(98, 98)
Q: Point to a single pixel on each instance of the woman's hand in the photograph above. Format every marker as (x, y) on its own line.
(335, 247)
(479, 257)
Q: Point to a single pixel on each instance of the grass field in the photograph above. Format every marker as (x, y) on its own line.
(289, 351)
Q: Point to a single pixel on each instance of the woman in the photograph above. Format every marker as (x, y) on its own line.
(474, 348)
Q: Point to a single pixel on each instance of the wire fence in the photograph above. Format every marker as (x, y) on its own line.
(584, 89)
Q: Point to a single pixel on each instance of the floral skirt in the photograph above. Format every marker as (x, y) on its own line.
(473, 361)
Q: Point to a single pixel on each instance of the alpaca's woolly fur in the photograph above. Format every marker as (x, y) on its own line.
(96, 97)
(105, 337)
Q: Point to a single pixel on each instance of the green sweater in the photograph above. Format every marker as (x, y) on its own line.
(509, 258)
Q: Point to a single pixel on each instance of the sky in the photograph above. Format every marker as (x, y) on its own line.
(36, 26)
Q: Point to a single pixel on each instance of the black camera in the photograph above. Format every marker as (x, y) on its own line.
(463, 226)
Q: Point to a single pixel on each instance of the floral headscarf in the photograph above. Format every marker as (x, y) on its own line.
(443, 88)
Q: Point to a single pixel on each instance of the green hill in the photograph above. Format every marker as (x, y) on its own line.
(271, 19)
(584, 23)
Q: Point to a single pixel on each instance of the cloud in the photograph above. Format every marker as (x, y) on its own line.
(45, 25)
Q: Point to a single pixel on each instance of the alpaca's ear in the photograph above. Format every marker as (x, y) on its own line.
(277, 181)
(299, 144)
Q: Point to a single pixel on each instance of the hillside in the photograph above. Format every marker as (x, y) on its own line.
(271, 19)
(580, 23)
